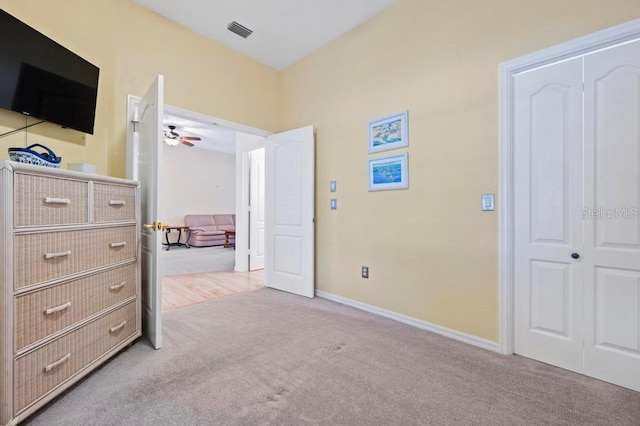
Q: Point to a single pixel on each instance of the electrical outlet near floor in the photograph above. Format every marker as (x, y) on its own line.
(365, 272)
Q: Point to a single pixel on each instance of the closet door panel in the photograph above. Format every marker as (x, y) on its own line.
(612, 227)
(547, 196)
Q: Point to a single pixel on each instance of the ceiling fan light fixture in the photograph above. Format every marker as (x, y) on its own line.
(173, 138)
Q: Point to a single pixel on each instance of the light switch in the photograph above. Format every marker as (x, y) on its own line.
(488, 204)
(332, 186)
(365, 272)
(334, 204)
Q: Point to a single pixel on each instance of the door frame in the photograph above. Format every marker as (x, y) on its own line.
(242, 224)
(616, 35)
(244, 145)
(257, 203)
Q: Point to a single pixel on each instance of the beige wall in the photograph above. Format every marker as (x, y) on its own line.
(130, 45)
(197, 181)
(432, 252)
(86, 29)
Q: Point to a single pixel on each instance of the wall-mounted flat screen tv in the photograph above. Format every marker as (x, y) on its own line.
(43, 79)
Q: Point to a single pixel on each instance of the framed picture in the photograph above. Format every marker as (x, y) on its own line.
(390, 172)
(389, 132)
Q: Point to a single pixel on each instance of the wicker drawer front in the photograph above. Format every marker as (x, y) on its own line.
(43, 201)
(42, 257)
(49, 310)
(40, 371)
(114, 203)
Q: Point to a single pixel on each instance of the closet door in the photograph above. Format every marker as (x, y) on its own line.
(612, 229)
(548, 184)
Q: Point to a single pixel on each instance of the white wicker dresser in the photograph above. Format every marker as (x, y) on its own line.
(69, 280)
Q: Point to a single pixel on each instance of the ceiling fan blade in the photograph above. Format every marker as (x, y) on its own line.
(191, 138)
(187, 143)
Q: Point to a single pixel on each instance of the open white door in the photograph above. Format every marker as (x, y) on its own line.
(289, 250)
(257, 210)
(149, 128)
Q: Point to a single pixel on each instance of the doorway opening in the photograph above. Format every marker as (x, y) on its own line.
(289, 199)
(199, 180)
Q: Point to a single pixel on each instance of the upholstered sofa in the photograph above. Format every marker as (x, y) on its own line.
(208, 229)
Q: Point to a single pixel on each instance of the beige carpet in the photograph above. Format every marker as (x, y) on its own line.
(270, 358)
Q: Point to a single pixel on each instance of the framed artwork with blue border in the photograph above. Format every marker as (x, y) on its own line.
(389, 132)
(390, 172)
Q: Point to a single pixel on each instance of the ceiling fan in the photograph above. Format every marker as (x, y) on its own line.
(173, 138)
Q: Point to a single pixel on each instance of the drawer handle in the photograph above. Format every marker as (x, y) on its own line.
(50, 200)
(117, 286)
(61, 361)
(117, 327)
(120, 244)
(57, 308)
(54, 255)
(117, 203)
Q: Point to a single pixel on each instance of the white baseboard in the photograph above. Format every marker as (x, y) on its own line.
(456, 335)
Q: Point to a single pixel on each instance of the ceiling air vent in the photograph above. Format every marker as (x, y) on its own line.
(241, 30)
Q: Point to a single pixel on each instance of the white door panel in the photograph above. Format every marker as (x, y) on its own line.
(550, 302)
(616, 296)
(257, 213)
(612, 231)
(612, 101)
(290, 211)
(550, 111)
(548, 182)
(150, 114)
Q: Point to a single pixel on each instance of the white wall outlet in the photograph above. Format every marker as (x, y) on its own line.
(365, 272)
(333, 186)
(334, 204)
(488, 203)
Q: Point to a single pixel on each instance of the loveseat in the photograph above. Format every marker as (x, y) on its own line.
(208, 229)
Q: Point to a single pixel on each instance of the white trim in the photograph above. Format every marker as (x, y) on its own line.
(244, 145)
(132, 140)
(204, 118)
(505, 214)
(581, 46)
(132, 103)
(242, 211)
(443, 331)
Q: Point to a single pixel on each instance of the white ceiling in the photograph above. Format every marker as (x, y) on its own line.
(284, 31)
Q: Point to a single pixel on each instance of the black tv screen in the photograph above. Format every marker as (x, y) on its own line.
(43, 79)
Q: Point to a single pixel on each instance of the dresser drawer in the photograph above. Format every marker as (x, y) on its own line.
(42, 257)
(49, 310)
(47, 201)
(40, 371)
(114, 203)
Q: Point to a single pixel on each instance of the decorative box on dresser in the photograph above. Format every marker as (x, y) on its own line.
(69, 283)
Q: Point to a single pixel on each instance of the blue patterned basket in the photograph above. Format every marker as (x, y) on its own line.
(29, 156)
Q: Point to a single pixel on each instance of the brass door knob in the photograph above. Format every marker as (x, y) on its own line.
(155, 226)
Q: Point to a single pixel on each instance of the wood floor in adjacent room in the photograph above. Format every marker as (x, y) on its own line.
(184, 290)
